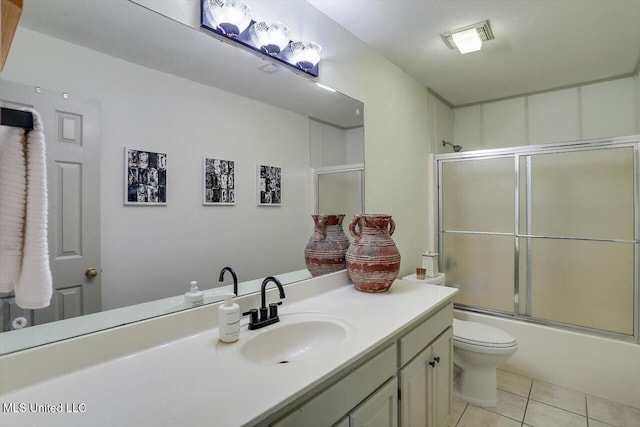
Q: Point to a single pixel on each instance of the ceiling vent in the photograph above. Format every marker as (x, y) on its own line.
(483, 28)
(269, 68)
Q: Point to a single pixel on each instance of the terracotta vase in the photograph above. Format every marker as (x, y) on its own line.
(373, 260)
(327, 246)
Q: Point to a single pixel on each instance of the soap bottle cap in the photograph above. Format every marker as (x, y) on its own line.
(194, 286)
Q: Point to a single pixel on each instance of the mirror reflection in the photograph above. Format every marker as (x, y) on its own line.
(112, 76)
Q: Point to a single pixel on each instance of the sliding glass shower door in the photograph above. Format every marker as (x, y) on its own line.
(545, 233)
(478, 216)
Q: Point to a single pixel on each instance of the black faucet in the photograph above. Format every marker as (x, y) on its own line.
(266, 317)
(233, 274)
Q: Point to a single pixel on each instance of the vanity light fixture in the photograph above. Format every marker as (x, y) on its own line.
(231, 17)
(470, 38)
(231, 21)
(272, 37)
(306, 55)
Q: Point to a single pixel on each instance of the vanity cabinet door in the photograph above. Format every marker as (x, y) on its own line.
(414, 391)
(442, 378)
(379, 410)
(425, 385)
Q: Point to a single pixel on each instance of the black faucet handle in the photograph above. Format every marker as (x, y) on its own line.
(253, 315)
(273, 309)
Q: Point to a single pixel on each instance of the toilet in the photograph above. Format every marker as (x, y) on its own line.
(477, 350)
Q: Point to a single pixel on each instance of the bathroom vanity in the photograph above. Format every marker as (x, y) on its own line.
(337, 357)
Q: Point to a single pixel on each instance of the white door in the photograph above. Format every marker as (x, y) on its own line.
(72, 132)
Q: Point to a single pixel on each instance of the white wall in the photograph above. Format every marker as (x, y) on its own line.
(332, 146)
(588, 111)
(637, 78)
(153, 252)
(354, 140)
(395, 118)
(440, 119)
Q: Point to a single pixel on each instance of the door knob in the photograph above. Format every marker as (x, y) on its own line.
(91, 273)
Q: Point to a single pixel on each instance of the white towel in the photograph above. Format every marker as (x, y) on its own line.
(13, 199)
(33, 285)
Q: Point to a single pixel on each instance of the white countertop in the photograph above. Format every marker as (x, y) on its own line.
(75, 326)
(189, 382)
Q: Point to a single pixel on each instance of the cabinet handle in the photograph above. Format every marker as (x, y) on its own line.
(437, 359)
(432, 364)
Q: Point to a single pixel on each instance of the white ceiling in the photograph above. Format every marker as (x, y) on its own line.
(539, 44)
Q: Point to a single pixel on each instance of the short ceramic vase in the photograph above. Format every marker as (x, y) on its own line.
(373, 260)
(327, 246)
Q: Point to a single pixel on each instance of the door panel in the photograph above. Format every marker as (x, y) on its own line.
(72, 133)
(442, 378)
(379, 410)
(415, 406)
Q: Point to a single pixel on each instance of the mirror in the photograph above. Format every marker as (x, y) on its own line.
(134, 78)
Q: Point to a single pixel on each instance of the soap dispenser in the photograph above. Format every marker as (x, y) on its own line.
(194, 296)
(229, 320)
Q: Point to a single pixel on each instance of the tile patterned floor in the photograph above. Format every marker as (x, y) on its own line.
(525, 402)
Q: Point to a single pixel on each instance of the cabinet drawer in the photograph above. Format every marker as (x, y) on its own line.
(413, 342)
(336, 401)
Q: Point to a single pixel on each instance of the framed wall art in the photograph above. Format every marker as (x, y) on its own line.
(218, 182)
(269, 185)
(145, 177)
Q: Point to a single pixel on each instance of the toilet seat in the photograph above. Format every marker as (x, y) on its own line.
(474, 334)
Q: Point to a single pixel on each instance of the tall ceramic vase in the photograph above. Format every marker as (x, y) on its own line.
(373, 260)
(327, 246)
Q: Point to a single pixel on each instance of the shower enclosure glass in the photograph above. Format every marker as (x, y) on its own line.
(545, 233)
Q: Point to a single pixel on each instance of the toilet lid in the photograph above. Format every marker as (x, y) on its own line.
(481, 335)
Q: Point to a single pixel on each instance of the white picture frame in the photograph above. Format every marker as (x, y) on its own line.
(218, 182)
(145, 177)
(268, 185)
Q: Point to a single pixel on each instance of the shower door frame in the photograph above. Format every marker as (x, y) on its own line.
(527, 151)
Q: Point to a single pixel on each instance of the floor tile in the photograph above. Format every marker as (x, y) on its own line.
(510, 405)
(596, 423)
(560, 397)
(514, 383)
(457, 411)
(612, 413)
(541, 415)
(477, 417)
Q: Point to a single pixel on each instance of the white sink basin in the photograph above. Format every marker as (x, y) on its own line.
(297, 337)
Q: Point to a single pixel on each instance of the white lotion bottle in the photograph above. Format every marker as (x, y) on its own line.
(229, 320)
(194, 296)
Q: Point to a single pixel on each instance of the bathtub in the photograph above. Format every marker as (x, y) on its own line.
(595, 365)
